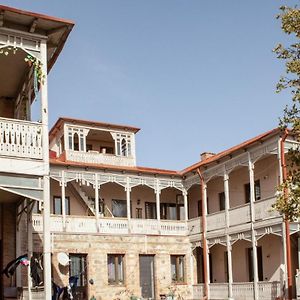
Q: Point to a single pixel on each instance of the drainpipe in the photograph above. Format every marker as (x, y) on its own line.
(286, 221)
(204, 242)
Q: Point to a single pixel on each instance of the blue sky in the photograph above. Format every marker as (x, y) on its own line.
(195, 76)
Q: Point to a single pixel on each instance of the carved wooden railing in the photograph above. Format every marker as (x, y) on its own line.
(20, 139)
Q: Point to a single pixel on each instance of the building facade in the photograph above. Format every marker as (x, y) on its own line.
(206, 232)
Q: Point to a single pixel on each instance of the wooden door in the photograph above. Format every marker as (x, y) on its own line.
(147, 276)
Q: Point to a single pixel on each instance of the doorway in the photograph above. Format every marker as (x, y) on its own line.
(78, 271)
(147, 276)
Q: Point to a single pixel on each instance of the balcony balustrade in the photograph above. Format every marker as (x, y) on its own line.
(21, 139)
(90, 225)
(237, 215)
(240, 290)
(94, 157)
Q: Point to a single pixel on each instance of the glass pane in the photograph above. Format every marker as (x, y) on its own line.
(173, 268)
(123, 147)
(67, 204)
(171, 213)
(120, 269)
(70, 141)
(181, 212)
(57, 206)
(81, 143)
(119, 208)
(111, 268)
(181, 269)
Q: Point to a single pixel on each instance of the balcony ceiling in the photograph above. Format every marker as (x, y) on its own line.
(98, 135)
(13, 70)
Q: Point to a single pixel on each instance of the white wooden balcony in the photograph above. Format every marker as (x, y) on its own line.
(240, 290)
(21, 149)
(237, 215)
(90, 225)
(94, 157)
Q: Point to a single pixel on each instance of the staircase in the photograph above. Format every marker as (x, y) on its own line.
(75, 188)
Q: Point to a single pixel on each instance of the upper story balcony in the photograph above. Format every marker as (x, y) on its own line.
(97, 143)
(25, 60)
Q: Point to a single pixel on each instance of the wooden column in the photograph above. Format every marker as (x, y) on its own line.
(185, 201)
(63, 199)
(228, 244)
(253, 236)
(157, 195)
(29, 246)
(46, 177)
(97, 200)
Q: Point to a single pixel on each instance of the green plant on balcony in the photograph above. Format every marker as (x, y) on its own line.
(30, 60)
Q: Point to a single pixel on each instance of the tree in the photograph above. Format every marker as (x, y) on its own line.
(288, 198)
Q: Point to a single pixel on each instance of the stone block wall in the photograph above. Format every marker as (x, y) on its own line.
(97, 247)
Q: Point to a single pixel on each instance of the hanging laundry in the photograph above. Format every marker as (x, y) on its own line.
(11, 267)
(24, 261)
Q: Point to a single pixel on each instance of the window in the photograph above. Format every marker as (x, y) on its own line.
(76, 139)
(150, 209)
(177, 268)
(171, 211)
(115, 268)
(259, 263)
(57, 205)
(257, 191)
(119, 208)
(222, 201)
(123, 142)
(139, 213)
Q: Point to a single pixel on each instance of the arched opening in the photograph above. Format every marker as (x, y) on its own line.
(194, 201)
(114, 200)
(171, 204)
(143, 202)
(11, 79)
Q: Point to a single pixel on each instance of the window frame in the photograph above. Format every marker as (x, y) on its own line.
(68, 207)
(257, 191)
(115, 260)
(178, 265)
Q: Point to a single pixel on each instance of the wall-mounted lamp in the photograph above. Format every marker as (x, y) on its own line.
(138, 201)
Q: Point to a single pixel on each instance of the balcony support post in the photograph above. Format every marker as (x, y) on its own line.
(204, 232)
(46, 177)
(157, 199)
(128, 190)
(185, 201)
(228, 244)
(18, 243)
(97, 201)
(253, 235)
(29, 246)
(63, 199)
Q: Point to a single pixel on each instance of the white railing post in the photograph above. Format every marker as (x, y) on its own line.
(228, 244)
(253, 236)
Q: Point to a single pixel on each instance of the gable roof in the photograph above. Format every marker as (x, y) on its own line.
(231, 150)
(63, 120)
(55, 29)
